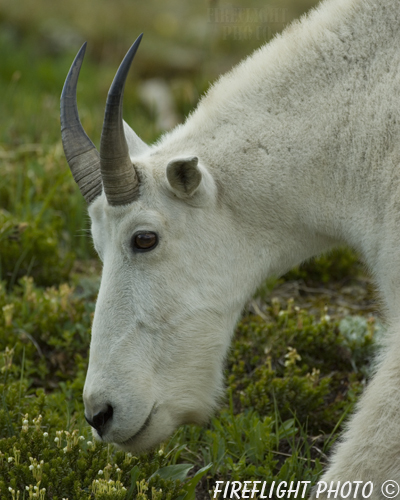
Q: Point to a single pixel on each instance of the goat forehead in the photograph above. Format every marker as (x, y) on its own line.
(148, 208)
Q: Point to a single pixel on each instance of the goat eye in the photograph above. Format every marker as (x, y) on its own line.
(144, 241)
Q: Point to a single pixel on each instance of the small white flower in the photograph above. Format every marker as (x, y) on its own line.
(82, 438)
(10, 489)
(100, 472)
(45, 434)
(31, 467)
(10, 459)
(25, 422)
(56, 439)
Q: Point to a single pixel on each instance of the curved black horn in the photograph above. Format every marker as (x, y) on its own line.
(119, 177)
(82, 156)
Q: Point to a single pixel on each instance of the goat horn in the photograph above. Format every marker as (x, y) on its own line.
(120, 181)
(82, 156)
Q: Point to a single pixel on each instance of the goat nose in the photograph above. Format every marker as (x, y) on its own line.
(99, 420)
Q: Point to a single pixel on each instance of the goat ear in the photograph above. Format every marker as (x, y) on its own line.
(135, 144)
(184, 176)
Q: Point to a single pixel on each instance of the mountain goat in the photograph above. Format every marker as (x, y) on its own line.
(293, 152)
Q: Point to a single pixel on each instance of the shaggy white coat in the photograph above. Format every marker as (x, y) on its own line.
(299, 151)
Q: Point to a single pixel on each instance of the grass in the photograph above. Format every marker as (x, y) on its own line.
(296, 366)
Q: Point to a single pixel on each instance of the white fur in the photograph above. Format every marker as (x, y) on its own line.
(299, 149)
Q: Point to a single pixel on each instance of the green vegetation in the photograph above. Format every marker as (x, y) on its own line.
(291, 380)
(296, 366)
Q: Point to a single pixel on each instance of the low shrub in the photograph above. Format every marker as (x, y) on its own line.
(302, 365)
(336, 265)
(291, 380)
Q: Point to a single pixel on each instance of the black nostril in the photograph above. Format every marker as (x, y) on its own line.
(100, 419)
